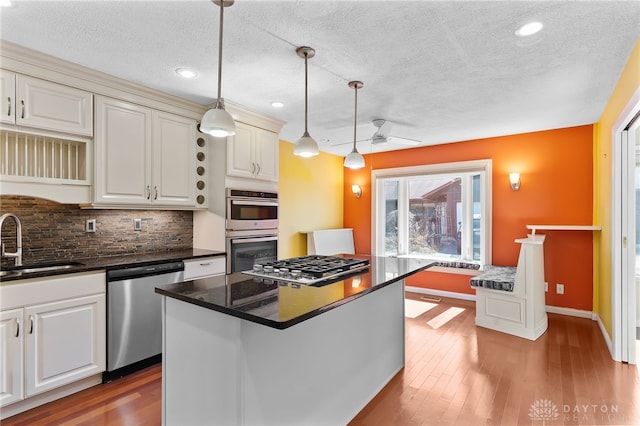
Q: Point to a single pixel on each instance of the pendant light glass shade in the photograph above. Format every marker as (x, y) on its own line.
(306, 146)
(216, 121)
(355, 160)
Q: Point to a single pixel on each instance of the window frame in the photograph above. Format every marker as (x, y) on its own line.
(483, 167)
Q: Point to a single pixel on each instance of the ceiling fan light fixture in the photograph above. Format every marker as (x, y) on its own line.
(217, 121)
(355, 160)
(306, 146)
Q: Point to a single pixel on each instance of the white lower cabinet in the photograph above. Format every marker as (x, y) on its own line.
(52, 336)
(11, 356)
(64, 342)
(204, 267)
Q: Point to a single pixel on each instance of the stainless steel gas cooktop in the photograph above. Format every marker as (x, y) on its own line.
(308, 269)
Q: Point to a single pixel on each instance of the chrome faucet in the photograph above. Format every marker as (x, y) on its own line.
(18, 253)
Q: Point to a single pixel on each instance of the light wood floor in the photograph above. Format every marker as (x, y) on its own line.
(455, 373)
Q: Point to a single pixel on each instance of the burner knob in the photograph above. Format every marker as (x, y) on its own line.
(296, 273)
(268, 270)
(284, 272)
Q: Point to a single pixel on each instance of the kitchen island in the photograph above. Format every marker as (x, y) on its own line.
(242, 350)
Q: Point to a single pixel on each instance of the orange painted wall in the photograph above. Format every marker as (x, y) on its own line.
(555, 168)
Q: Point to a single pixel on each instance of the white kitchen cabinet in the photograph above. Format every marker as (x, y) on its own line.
(253, 153)
(53, 337)
(64, 342)
(204, 267)
(143, 157)
(11, 356)
(45, 105)
(174, 159)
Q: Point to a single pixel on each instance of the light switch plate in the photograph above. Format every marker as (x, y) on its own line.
(137, 224)
(90, 225)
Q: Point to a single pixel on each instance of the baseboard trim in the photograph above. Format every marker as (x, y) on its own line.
(441, 293)
(569, 311)
(605, 336)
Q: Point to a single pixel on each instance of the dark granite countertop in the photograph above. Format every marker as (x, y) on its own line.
(281, 304)
(106, 263)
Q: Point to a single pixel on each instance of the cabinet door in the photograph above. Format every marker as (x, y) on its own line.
(174, 160)
(267, 155)
(52, 106)
(11, 356)
(122, 153)
(7, 96)
(240, 159)
(65, 342)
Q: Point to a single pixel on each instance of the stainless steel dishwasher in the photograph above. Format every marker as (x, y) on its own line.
(134, 316)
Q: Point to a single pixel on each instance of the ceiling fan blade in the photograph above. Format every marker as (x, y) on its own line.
(403, 141)
(349, 143)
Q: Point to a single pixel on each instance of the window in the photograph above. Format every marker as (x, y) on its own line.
(439, 211)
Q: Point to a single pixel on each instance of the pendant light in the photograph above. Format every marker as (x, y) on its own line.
(306, 145)
(355, 160)
(218, 122)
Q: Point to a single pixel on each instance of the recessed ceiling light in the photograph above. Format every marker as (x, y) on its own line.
(186, 72)
(529, 29)
(277, 104)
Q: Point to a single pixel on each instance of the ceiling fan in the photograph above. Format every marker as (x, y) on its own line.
(382, 135)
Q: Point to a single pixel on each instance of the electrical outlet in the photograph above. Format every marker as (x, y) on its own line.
(90, 225)
(137, 224)
(560, 288)
(546, 286)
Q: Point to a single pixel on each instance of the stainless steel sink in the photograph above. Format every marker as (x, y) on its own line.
(30, 269)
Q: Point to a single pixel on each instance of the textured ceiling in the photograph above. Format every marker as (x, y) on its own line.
(441, 71)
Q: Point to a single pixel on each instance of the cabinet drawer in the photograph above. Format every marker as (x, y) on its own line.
(204, 267)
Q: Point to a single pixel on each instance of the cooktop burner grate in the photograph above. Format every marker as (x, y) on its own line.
(308, 269)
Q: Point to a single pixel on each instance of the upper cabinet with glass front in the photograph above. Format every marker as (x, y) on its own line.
(41, 104)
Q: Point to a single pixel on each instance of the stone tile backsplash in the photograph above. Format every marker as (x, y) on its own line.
(56, 232)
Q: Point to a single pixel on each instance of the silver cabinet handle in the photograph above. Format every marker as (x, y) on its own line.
(258, 172)
(148, 192)
(22, 114)
(205, 264)
(9, 106)
(155, 192)
(253, 168)
(31, 327)
(17, 327)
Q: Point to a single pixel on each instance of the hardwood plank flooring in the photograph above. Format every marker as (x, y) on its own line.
(455, 374)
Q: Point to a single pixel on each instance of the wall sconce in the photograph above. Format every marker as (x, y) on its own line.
(514, 178)
(357, 191)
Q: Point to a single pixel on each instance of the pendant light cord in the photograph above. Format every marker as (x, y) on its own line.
(218, 102)
(306, 83)
(355, 119)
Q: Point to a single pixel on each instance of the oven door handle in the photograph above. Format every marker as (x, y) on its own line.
(254, 203)
(252, 240)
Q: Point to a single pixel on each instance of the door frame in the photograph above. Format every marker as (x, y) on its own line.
(623, 297)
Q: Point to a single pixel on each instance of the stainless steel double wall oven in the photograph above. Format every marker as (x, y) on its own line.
(252, 228)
